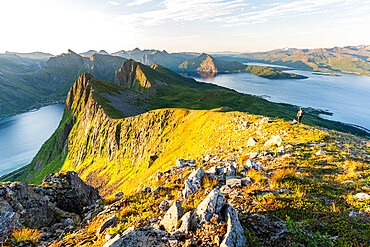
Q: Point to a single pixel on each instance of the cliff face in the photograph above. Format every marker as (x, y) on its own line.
(121, 154)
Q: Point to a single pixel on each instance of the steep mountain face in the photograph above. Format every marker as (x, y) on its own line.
(131, 75)
(206, 64)
(349, 59)
(203, 63)
(89, 53)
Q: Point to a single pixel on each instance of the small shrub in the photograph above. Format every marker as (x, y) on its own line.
(209, 182)
(256, 175)
(281, 175)
(314, 239)
(26, 234)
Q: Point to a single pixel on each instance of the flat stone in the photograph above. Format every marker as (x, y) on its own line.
(252, 142)
(362, 196)
(250, 164)
(234, 182)
(274, 140)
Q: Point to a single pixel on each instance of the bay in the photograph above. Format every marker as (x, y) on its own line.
(346, 96)
(21, 136)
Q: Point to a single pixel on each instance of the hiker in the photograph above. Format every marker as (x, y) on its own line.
(300, 115)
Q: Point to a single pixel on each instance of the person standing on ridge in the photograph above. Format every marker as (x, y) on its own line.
(300, 115)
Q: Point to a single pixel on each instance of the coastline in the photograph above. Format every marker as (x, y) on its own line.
(33, 108)
(13, 172)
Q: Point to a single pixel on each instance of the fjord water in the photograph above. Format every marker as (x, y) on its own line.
(21, 136)
(346, 96)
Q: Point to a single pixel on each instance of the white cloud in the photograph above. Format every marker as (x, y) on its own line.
(138, 2)
(114, 3)
(182, 11)
(296, 8)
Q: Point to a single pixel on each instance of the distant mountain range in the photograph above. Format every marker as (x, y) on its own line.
(349, 59)
(31, 80)
(26, 83)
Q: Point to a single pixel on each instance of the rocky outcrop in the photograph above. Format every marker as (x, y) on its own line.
(111, 222)
(235, 233)
(193, 183)
(211, 205)
(62, 196)
(70, 192)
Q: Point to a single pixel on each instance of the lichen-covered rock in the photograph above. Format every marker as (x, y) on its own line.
(114, 242)
(172, 216)
(230, 170)
(225, 189)
(211, 205)
(197, 175)
(184, 223)
(193, 183)
(235, 233)
(163, 205)
(8, 222)
(320, 152)
(234, 182)
(55, 202)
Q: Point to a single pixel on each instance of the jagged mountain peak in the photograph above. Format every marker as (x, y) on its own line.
(135, 75)
(71, 52)
(205, 55)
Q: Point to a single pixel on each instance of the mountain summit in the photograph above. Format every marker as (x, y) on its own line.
(136, 76)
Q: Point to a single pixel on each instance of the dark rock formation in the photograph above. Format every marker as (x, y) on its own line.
(60, 197)
(71, 193)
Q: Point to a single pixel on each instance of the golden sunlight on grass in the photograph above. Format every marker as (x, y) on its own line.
(26, 234)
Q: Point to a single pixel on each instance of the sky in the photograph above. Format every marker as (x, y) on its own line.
(181, 25)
